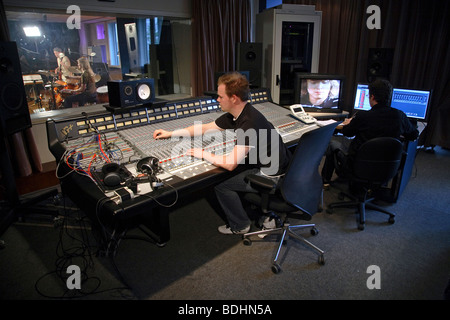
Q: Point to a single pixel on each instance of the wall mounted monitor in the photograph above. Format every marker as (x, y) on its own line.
(414, 103)
(319, 92)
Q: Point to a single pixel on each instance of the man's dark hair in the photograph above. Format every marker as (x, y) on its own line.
(381, 90)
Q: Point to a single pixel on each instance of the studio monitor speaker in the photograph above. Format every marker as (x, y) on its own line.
(129, 93)
(249, 58)
(379, 64)
(14, 114)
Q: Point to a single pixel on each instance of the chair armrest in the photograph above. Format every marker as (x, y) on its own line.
(262, 184)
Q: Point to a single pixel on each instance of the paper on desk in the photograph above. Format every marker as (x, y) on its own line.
(323, 123)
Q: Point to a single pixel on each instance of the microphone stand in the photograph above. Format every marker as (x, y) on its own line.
(53, 93)
(60, 69)
(37, 96)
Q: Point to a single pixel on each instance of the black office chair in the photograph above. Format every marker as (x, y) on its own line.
(299, 193)
(374, 165)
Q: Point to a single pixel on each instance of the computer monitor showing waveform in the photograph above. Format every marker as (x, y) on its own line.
(319, 92)
(414, 103)
(361, 98)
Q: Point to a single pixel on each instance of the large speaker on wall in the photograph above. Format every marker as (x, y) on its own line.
(126, 94)
(379, 64)
(249, 57)
(14, 114)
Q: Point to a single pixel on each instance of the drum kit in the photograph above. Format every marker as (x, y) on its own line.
(50, 94)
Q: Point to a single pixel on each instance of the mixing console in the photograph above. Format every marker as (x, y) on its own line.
(171, 152)
(289, 128)
(125, 138)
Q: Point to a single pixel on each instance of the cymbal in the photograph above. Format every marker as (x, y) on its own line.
(97, 78)
(74, 70)
(47, 73)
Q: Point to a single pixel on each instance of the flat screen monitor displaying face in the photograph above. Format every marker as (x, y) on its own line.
(414, 103)
(319, 92)
(362, 98)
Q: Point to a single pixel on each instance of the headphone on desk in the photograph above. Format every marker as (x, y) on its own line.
(114, 174)
(150, 166)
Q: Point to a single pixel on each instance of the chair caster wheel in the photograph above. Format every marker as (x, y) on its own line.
(391, 220)
(361, 226)
(314, 231)
(321, 260)
(247, 241)
(276, 268)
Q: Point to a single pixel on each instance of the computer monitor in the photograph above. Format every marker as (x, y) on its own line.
(361, 102)
(414, 103)
(319, 92)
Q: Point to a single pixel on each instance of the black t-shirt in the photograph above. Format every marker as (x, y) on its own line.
(380, 121)
(253, 130)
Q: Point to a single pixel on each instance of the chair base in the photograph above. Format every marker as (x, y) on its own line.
(362, 205)
(286, 231)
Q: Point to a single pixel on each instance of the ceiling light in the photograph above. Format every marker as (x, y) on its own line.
(32, 31)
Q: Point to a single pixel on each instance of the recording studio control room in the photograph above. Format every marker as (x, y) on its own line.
(224, 157)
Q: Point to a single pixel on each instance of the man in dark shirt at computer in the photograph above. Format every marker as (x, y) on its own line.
(259, 148)
(380, 121)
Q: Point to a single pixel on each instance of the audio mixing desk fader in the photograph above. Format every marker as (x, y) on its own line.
(91, 141)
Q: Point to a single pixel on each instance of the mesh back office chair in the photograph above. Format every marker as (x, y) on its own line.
(375, 164)
(298, 195)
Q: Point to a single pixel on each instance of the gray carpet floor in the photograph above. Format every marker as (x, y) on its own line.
(198, 263)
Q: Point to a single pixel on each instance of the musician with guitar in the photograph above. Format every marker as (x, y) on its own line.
(63, 64)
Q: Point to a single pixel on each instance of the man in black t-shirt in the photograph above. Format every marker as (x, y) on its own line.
(258, 147)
